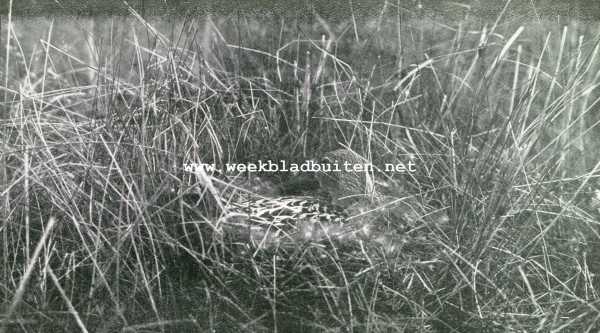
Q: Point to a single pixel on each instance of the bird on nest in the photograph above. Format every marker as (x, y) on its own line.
(252, 209)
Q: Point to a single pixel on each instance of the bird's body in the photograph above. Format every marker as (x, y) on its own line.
(355, 200)
(273, 221)
(268, 222)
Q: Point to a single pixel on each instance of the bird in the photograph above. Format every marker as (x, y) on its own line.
(251, 210)
(348, 206)
(269, 222)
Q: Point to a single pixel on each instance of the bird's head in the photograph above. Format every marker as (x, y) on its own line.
(345, 176)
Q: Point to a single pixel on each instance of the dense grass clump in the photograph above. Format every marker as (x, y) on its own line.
(499, 119)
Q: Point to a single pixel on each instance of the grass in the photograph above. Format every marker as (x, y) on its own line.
(95, 132)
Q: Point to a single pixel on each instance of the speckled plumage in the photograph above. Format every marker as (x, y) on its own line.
(271, 221)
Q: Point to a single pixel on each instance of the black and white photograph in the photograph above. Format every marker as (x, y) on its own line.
(343, 166)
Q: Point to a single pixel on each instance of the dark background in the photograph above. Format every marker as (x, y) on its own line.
(328, 9)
